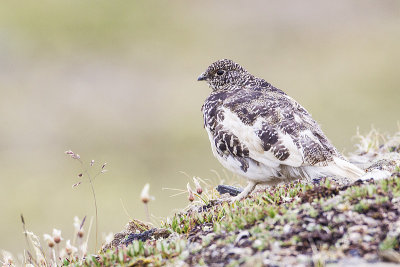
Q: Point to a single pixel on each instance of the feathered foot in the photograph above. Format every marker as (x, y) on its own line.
(246, 191)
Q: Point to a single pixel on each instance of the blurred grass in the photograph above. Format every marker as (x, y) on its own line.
(116, 82)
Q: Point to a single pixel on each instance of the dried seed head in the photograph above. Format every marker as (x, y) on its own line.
(75, 185)
(92, 162)
(191, 195)
(145, 195)
(72, 154)
(199, 190)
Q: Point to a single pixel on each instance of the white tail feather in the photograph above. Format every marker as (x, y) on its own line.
(346, 169)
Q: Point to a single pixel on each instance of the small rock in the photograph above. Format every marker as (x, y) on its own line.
(241, 236)
(286, 229)
(368, 238)
(371, 257)
(207, 228)
(370, 221)
(355, 237)
(275, 246)
(354, 253)
(240, 251)
(304, 259)
(390, 255)
(257, 243)
(215, 254)
(358, 228)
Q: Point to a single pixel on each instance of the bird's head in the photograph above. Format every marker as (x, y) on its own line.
(224, 74)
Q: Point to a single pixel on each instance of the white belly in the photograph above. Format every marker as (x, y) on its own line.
(255, 172)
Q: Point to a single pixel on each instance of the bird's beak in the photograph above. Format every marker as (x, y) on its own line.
(202, 77)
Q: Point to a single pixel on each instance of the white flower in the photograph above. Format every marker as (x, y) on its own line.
(108, 238)
(70, 249)
(145, 196)
(199, 190)
(189, 189)
(49, 239)
(57, 236)
(8, 259)
(77, 224)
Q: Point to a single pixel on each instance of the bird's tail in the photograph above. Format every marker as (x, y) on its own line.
(346, 169)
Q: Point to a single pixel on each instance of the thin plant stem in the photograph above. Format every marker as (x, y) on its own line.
(57, 252)
(95, 206)
(25, 233)
(199, 196)
(95, 201)
(53, 254)
(125, 210)
(146, 208)
(89, 230)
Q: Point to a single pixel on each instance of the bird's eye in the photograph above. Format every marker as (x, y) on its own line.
(220, 72)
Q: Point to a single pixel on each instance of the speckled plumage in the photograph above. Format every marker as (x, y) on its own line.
(261, 133)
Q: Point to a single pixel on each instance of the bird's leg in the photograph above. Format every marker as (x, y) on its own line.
(246, 191)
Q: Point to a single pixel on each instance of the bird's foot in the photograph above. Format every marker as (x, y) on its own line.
(246, 191)
(227, 189)
(235, 193)
(236, 198)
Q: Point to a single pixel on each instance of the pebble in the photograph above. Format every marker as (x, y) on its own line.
(286, 229)
(355, 237)
(370, 221)
(257, 243)
(368, 238)
(240, 236)
(358, 228)
(207, 228)
(342, 207)
(304, 259)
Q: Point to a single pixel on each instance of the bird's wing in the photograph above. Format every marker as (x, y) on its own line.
(273, 129)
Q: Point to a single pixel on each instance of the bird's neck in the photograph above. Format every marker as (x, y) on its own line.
(249, 80)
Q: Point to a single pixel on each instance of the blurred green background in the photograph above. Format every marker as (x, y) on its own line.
(115, 81)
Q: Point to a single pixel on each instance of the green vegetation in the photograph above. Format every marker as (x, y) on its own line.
(294, 222)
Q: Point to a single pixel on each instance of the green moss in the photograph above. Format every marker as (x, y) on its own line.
(361, 207)
(389, 243)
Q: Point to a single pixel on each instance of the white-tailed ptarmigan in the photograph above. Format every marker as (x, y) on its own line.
(260, 133)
